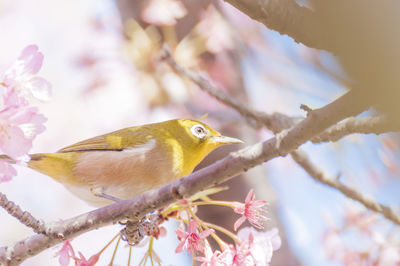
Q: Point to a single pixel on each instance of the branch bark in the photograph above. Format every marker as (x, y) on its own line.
(24, 217)
(287, 18)
(376, 125)
(234, 164)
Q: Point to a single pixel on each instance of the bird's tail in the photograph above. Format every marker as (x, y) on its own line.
(56, 165)
(7, 158)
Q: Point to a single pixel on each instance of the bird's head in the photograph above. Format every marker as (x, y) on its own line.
(194, 140)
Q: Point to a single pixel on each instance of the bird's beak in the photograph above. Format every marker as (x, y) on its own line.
(225, 140)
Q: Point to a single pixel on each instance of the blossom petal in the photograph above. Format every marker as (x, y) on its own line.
(181, 234)
(7, 171)
(15, 143)
(258, 203)
(66, 252)
(180, 247)
(206, 233)
(93, 260)
(40, 88)
(239, 222)
(22, 115)
(32, 59)
(250, 196)
(262, 244)
(275, 238)
(192, 226)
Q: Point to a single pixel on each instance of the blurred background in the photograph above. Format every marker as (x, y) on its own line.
(101, 57)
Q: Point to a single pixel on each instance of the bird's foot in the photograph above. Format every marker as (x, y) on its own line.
(99, 192)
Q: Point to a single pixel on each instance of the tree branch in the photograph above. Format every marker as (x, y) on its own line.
(365, 125)
(222, 170)
(279, 122)
(316, 173)
(24, 217)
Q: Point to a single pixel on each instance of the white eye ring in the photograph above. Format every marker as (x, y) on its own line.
(199, 131)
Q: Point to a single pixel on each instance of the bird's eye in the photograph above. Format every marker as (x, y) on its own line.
(199, 131)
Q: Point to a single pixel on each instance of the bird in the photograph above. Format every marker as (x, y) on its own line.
(126, 163)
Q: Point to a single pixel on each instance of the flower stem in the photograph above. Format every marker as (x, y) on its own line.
(150, 250)
(108, 244)
(143, 260)
(223, 230)
(213, 202)
(130, 255)
(171, 209)
(115, 252)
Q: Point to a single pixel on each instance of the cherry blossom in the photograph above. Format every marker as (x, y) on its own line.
(192, 240)
(19, 124)
(261, 245)
(250, 210)
(241, 255)
(6, 171)
(21, 76)
(211, 258)
(67, 253)
(231, 255)
(256, 248)
(82, 261)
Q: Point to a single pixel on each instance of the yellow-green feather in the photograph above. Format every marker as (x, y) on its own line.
(56, 165)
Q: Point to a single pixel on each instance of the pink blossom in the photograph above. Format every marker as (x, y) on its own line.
(242, 254)
(215, 259)
(19, 125)
(6, 171)
(211, 258)
(236, 256)
(163, 12)
(260, 245)
(250, 211)
(192, 240)
(254, 249)
(21, 76)
(66, 253)
(82, 261)
(161, 232)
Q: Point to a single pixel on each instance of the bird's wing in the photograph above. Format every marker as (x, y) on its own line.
(117, 141)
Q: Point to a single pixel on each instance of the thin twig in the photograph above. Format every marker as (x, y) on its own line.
(277, 122)
(365, 125)
(302, 159)
(24, 217)
(247, 112)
